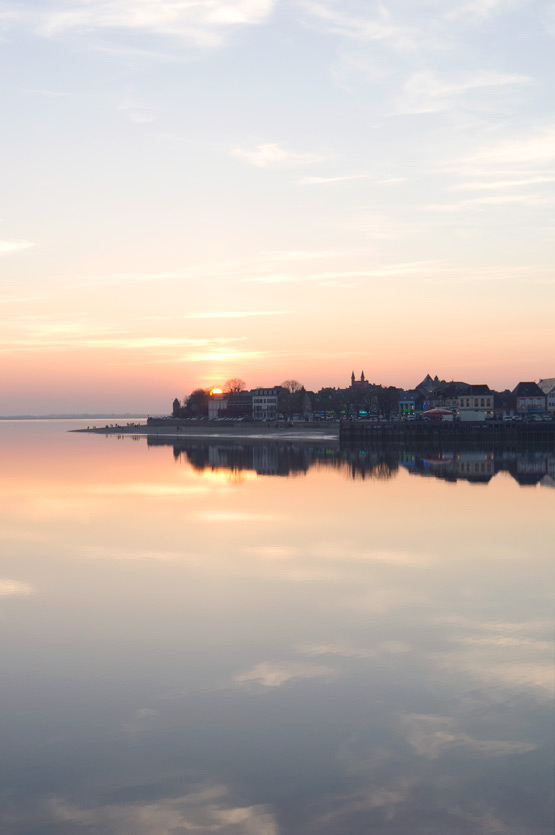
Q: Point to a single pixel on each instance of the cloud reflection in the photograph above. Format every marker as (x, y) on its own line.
(148, 489)
(14, 588)
(231, 516)
(432, 736)
(268, 674)
(205, 810)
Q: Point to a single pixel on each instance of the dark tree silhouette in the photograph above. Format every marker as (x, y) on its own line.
(234, 385)
(292, 386)
(197, 402)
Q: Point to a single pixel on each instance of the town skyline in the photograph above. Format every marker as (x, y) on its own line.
(441, 399)
(149, 406)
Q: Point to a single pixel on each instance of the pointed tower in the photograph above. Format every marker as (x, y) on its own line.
(352, 379)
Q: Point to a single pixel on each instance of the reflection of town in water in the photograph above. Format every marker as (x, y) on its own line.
(479, 466)
(527, 467)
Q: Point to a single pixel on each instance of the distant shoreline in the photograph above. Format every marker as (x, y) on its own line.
(97, 416)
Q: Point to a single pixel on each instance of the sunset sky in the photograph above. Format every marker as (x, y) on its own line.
(194, 190)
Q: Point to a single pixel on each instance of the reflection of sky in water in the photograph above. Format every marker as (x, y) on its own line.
(188, 651)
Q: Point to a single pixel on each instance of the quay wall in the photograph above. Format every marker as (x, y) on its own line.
(450, 435)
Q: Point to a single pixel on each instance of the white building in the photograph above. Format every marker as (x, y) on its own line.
(265, 403)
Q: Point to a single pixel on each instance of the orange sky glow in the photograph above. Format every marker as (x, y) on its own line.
(364, 200)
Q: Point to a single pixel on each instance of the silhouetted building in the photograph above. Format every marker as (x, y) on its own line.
(359, 384)
(428, 384)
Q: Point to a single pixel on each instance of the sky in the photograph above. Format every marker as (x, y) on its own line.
(194, 190)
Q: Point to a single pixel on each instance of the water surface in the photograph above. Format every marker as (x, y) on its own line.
(273, 639)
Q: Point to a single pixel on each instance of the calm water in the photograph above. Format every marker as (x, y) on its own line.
(263, 641)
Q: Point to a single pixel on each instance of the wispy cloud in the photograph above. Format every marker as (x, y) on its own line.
(407, 268)
(529, 200)
(144, 54)
(202, 24)
(7, 247)
(502, 184)
(476, 10)
(296, 255)
(402, 27)
(393, 181)
(49, 94)
(316, 181)
(523, 155)
(428, 92)
(136, 110)
(272, 156)
(74, 335)
(342, 178)
(236, 314)
(466, 275)
(379, 25)
(219, 356)
(146, 342)
(275, 278)
(231, 268)
(238, 268)
(525, 151)
(128, 278)
(21, 299)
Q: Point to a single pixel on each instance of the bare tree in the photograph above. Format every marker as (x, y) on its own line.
(235, 385)
(292, 386)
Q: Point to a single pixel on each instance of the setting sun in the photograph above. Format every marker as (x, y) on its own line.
(216, 391)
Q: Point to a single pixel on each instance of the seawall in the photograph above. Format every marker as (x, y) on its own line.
(453, 435)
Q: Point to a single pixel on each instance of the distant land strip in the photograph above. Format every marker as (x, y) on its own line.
(84, 416)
